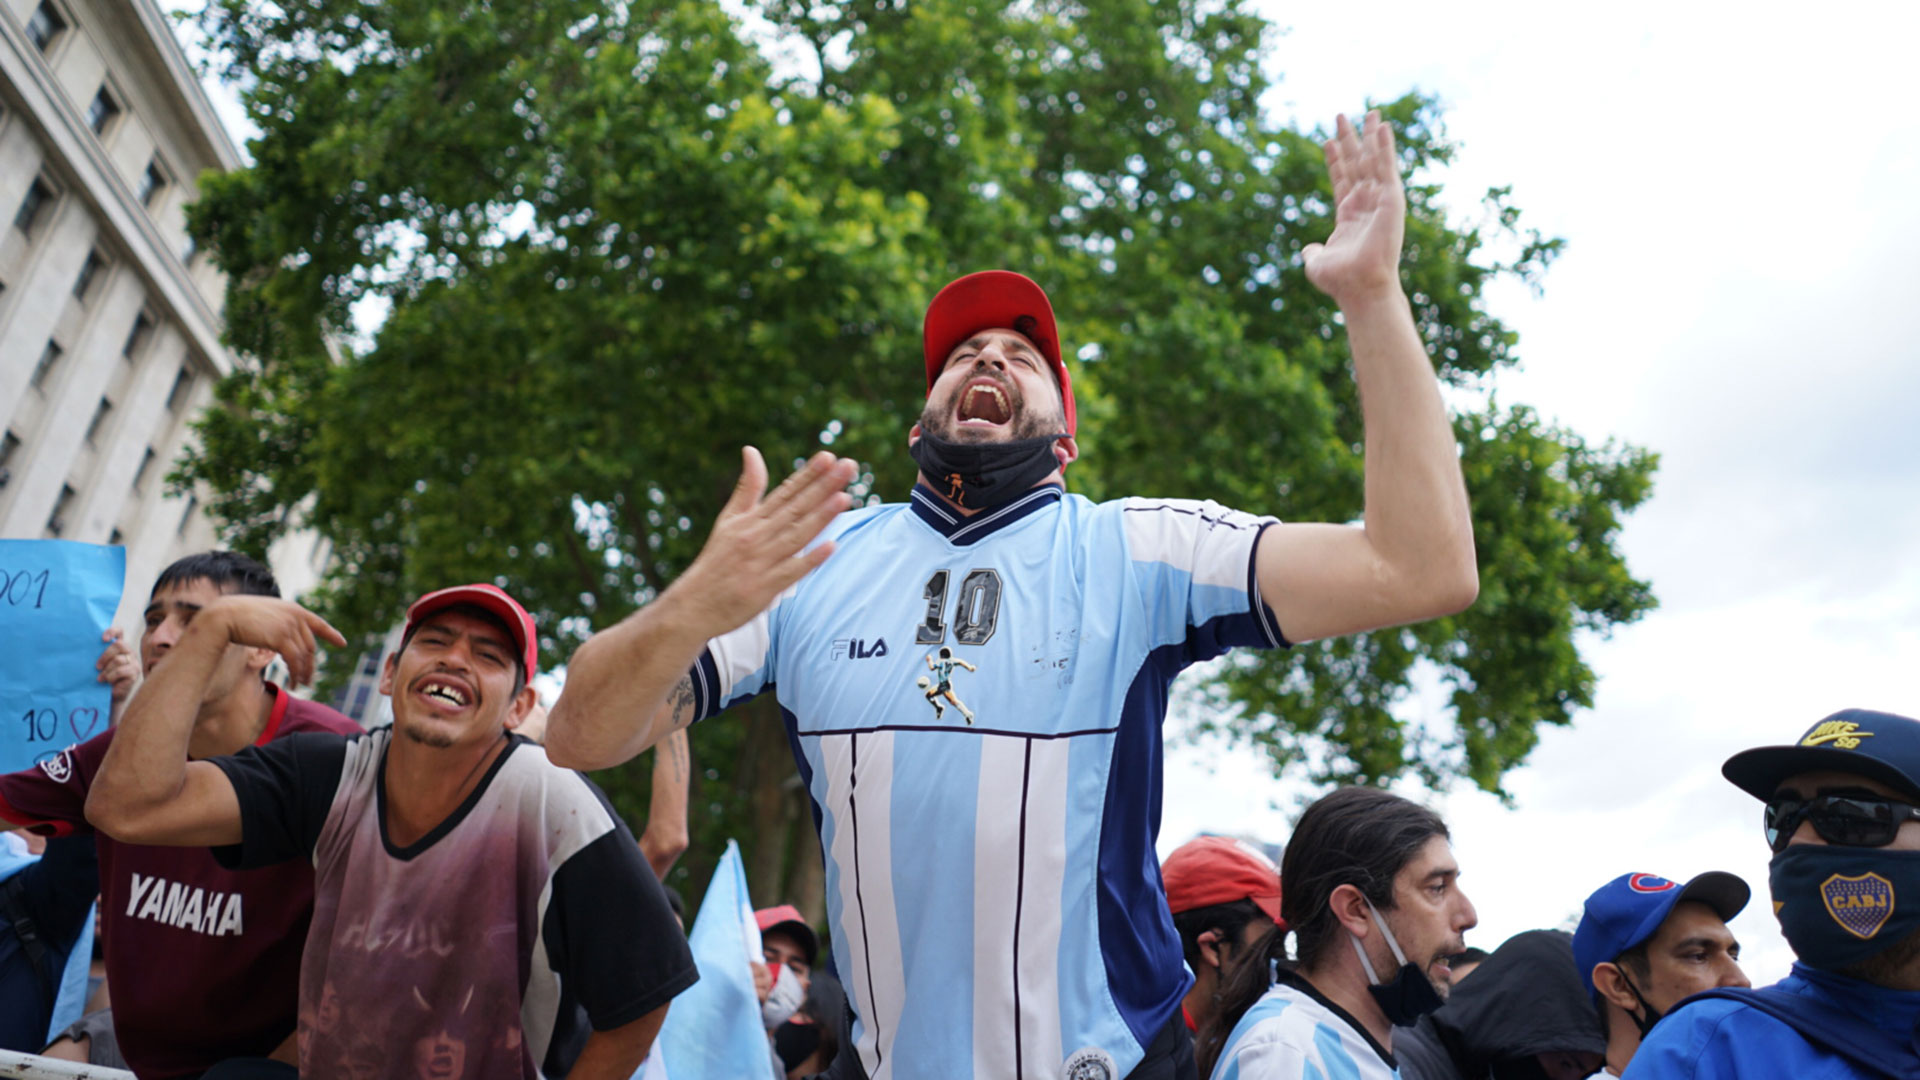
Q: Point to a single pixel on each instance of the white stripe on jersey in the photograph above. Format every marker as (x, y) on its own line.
(859, 771)
(1019, 859)
(1205, 539)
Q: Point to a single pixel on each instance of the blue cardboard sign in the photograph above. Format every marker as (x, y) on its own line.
(56, 598)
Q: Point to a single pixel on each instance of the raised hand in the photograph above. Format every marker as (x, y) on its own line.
(264, 622)
(1362, 257)
(118, 667)
(758, 548)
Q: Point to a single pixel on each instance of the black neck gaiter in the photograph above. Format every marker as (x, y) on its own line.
(981, 476)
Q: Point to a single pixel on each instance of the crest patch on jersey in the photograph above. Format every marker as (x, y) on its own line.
(1091, 1063)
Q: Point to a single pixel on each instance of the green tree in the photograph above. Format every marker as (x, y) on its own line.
(619, 241)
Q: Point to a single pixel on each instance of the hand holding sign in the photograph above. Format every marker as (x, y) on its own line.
(118, 667)
(263, 622)
(56, 601)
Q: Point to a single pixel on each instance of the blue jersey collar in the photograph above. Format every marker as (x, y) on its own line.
(959, 529)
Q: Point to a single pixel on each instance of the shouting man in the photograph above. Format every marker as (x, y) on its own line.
(1001, 870)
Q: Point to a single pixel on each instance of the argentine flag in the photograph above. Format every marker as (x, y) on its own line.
(713, 1030)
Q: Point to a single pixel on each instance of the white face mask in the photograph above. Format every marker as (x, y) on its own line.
(784, 999)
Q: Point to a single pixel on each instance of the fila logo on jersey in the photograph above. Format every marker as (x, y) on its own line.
(215, 914)
(853, 648)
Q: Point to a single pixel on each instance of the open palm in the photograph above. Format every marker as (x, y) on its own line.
(1370, 209)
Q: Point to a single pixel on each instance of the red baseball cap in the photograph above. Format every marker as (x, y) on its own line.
(1219, 870)
(493, 599)
(994, 300)
(788, 919)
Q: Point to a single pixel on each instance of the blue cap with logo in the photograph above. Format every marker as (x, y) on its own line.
(1629, 909)
(1879, 746)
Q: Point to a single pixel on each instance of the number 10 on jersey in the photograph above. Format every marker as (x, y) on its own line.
(976, 609)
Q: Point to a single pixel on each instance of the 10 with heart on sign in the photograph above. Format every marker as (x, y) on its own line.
(57, 598)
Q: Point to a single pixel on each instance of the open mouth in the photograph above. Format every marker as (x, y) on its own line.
(984, 403)
(441, 690)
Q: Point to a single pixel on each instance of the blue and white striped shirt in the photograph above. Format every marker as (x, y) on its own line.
(1290, 1034)
(991, 882)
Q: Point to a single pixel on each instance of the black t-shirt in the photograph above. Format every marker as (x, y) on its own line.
(486, 948)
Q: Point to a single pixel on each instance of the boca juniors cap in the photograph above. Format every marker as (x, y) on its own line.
(492, 599)
(1220, 870)
(994, 300)
(1629, 909)
(1879, 746)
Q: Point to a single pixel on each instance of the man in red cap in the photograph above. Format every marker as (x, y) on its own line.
(478, 911)
(1000, 866)
(1224, 895)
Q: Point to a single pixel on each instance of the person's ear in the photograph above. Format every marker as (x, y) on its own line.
(258, 659)
(1349, 906)
(1209, 947)
(1066, 451)
(1612, 984)
(523, 703)
(386, 673)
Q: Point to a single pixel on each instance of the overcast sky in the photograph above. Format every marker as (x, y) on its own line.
(1738, 294)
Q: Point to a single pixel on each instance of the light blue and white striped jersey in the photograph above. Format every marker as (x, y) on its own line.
(975, 707)
(1291, 1034)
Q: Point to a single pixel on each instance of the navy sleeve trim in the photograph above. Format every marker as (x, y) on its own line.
(1262, 614)
(706, 686)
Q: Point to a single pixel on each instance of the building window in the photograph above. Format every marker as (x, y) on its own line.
(152, 183)
(193, 504)
(189, 251)
(137, 337)
(140, 474)
(88, 271)
(102, 111)
(182, 383)
(38, 196)
(9, 446)
(99, 417)
(57, 521)
(47, 360)
(45, 25)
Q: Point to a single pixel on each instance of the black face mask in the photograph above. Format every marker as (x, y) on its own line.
(795, 1043)
(1409, 995)
(1840, 905)
(1649, 1016)
(981, 476)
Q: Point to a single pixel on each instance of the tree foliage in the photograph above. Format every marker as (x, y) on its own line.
(620, 240)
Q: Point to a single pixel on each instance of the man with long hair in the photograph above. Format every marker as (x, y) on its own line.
(1374, 901)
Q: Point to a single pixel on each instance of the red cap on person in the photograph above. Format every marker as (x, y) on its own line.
(994, 300)
(789, 920)
(1219, 870)
(493, 599)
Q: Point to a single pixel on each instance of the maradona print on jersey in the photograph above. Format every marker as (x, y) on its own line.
(975, 706)
(1292, 1033)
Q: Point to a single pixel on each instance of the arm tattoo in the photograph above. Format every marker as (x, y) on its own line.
(682, 701)
(677, 757)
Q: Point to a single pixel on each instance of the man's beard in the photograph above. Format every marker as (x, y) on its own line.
(430, 737)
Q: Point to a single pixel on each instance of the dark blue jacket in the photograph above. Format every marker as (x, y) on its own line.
(54, 893)
(1720, 1038)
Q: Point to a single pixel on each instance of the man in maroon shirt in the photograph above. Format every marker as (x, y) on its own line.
(203, 962)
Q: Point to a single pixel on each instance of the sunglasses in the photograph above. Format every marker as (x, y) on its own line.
(1839, 819)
